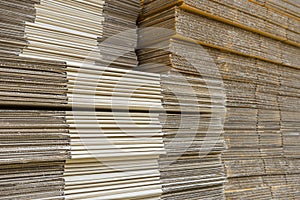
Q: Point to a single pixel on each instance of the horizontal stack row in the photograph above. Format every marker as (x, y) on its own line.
(113, 88)
(290, 8)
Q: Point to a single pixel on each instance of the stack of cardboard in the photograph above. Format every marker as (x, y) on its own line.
(261, 44)
(114, 155)
(289, 110)
(119, 33)
(100, 57)
(114, 152)
(34, 147)
(59, 33)
(194, 101)
(32, 82)
(248, 15)
(113, 88)
(34, 139)
(197, 59)
(14, 14)
(64, 30)
(202, 29)
(242, 160)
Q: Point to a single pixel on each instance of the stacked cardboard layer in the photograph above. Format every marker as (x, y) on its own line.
(291, 8)
(289, 107)
(245, 14)
(188, 86)
(119, 32)
(268, 128)
(255, 161)
(193, 97)
(192, 166)
(14, 14)
(237, 40)
(99, 76)
(64, 30)
(34, 143)
(114, 156)
(111, 83)
(34, 146)
(32, 82)
(108, 87)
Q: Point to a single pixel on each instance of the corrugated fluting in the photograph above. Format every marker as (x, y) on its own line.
(255, 47)
(201, 102)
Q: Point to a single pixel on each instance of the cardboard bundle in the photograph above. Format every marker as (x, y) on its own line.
(269, 130)
(289, 107)
(242, 13)
(268, 118)
(192, 125)
(34, 143)
(32, 82)
(108, 87)
(258, 157)
(114, 155)
(93, 63)
(111, 82)
(62, 54)
(256, 92)
(293, 181)
(34, 147)
(243, 163)
(119, 33)
(14, 14)
(120, 16)
(192, 166)
(209, 32)
(188, 86)
(255, 162)
(64, 30)
(290, 7)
